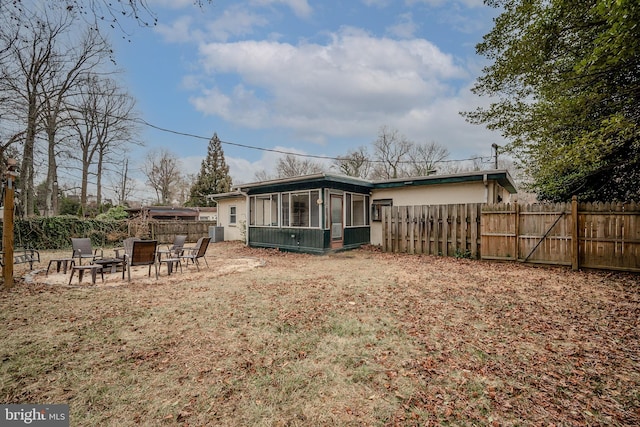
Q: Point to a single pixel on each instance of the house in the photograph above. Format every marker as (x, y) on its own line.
(206, 213)
(164, 213)
(324, 212)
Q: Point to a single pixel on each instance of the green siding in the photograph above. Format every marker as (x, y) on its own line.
(356, 236)
(305, 240)
(290, 239)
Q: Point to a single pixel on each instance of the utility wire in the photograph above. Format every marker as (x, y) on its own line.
(272, 150)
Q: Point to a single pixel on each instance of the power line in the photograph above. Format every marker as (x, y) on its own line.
(272, 150)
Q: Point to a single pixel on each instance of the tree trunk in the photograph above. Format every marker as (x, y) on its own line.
(26, 169)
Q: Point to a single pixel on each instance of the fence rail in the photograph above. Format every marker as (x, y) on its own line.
(589, 235)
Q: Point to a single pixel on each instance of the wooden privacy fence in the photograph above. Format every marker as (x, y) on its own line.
(590, 235)
(448, 230)
(165, 231)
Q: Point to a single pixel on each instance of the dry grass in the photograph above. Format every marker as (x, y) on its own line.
(356, 338)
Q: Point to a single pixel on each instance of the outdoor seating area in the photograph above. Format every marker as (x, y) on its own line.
(86, 263)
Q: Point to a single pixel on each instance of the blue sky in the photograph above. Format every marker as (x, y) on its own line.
(303, 76)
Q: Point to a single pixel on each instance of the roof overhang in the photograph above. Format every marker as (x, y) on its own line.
(304, 182)
(222, 196)
(325, 180)
(502, 177)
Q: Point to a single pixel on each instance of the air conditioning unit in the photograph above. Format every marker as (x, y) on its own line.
(216, 234)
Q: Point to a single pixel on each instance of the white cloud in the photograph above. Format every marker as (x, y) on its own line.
(170, 4)
(376, 3)
(405, 28)
(441, 122)
(235, 21)
(354, 82)
(449, 3)
(300, 7)
(243, 171)
(178, 32)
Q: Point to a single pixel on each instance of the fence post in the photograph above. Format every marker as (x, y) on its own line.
(7, 224)
(575, 237)
(516, 255)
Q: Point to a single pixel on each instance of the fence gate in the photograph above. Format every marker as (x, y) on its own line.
(590, 235)
(539, 233)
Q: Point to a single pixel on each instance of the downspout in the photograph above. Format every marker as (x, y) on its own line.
(486, 188)
(246, 215)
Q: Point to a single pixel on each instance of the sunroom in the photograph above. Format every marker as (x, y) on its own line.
(313, 214)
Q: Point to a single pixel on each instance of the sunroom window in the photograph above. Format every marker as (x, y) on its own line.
(300, 209)
(356, 210)
(359, 209)
(264, 210)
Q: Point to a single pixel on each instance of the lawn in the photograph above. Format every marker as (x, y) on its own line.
(350, 339)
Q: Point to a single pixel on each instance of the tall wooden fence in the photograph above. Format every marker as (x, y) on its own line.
(589, 235)
(449, 230)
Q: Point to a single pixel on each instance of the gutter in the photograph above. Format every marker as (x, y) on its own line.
(246, 215)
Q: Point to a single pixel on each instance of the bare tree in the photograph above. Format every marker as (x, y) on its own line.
(391, 151)
(122, 184)
(40, 69)
(423, 158)
(262, 175)
(162, 170)
(291, 165)
(102, 122)
(113, 124)
(100, 15)
(356, 163)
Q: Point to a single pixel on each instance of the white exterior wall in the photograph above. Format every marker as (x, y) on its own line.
(233, 231)
(442, 194)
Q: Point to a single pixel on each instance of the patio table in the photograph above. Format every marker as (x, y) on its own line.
(110, 265)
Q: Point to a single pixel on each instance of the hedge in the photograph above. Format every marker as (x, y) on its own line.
(44, 233)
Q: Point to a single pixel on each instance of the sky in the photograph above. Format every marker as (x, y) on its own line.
(311, 77)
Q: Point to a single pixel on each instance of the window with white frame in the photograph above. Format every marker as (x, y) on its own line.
(263, 210)
(299, 209)
(232, 215)
(359, 210)
(356, 210)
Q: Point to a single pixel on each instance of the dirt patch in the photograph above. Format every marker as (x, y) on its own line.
(263, 337)
(213, 267)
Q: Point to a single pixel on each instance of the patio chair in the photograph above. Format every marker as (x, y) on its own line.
(197, 252)
(127, 245)
(82, 250)
(174, 250)
(139, 252)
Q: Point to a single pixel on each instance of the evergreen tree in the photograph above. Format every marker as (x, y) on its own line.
(213, 177)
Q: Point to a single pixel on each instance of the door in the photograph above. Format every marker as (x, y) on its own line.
(337, 227)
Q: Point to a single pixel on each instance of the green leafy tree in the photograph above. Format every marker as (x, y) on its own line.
(213, 177)
(565, 78)
(114, 213)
